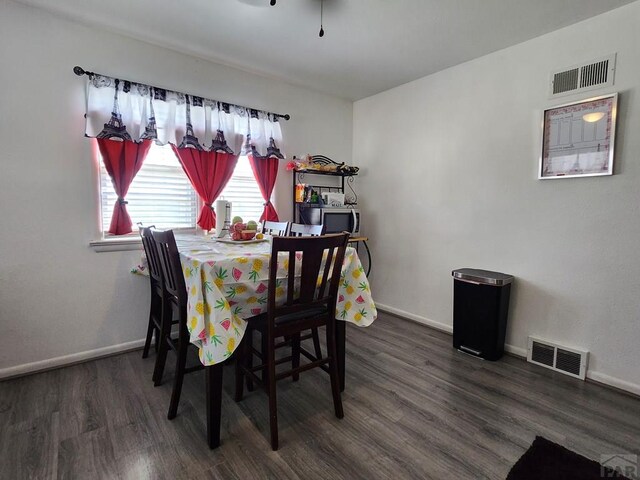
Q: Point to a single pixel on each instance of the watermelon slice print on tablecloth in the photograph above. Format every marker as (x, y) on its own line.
(226, 324)
(261, 288)
(232, 303)
(359, 299)
(202, 335)
(341, 298)
(256, 311)
(236, 274)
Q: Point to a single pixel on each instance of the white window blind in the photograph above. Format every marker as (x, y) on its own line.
(162, 195)
(243, 192)
(159, 195)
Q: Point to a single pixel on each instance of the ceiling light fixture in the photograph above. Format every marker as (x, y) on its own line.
(272, 3)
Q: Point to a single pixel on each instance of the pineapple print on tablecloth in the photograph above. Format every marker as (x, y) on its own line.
(231, 345)
(347, 307)
(221, 275)
(348, 287)
(215, 339)
(255, 271)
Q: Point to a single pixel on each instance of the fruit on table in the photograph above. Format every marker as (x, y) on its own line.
(238, 227)
(259, 236)
(252, 225)
(236, 219)
(236, 236)
(248, 234)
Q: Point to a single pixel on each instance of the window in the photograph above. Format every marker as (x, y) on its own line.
(243, 192)
(162, 195)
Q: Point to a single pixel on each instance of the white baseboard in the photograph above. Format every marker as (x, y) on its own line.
(614, 382)
(519, 351)
(66, 360)
(416, 318)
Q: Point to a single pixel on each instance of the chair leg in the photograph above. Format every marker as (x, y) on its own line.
(264, 346)
(333, 369)
(316, 343)
(249, 359)
(181, 362)
(165, 333)
(241, 359)
(154, 309)
(295, 355)
(147, 341)
(157, 339)
(273, 405)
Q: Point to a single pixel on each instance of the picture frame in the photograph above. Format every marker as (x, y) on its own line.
(578, 138)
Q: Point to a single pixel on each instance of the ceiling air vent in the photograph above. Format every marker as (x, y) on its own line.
(556, 357)
(587, 76)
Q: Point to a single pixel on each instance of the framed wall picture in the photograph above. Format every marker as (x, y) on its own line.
(578, 138)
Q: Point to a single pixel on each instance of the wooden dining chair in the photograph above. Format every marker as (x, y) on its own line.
(312, 305)
(156, 280)
(275, 228)
(175, 299)
(302, 230)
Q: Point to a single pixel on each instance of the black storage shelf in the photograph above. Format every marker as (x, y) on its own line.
(299, 174)
(322, 172)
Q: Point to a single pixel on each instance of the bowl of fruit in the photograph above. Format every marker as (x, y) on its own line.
(242, 232)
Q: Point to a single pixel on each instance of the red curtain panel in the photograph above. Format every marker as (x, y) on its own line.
(265, 169)
(208, 172)
(122, 159)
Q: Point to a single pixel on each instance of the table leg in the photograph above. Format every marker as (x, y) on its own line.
(213, 374)
(341, 334)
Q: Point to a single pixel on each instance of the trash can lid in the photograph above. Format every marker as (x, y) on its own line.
(485, 277)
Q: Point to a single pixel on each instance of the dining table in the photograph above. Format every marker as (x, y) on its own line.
(227, 285)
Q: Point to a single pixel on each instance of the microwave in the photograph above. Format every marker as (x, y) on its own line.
(335, 220)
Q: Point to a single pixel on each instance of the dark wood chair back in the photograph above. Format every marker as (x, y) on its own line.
(320, 267)
(301, 230)
(169, 259)
(275, 228)
(151, 252)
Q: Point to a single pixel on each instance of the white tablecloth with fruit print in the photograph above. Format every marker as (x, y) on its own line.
(227, 283)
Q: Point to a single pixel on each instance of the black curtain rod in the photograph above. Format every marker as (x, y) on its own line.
(81, 71)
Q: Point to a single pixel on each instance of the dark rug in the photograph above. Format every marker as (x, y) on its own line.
(546, 460)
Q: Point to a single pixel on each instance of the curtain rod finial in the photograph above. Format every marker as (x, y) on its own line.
(78, 71)
(287, 117)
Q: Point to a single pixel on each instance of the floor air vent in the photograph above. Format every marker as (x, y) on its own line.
(587, 76)
(556, 357)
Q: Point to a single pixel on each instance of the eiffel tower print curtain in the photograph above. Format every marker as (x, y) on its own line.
(145, 112)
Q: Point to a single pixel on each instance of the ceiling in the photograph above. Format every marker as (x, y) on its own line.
(369, 45)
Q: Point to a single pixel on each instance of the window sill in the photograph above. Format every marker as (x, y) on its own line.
(116, 244)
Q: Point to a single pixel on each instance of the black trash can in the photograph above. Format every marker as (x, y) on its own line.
(480, 309)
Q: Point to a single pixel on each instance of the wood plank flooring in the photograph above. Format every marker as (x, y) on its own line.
(414, 408)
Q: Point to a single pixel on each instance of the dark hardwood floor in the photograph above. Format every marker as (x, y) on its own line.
(414, 408)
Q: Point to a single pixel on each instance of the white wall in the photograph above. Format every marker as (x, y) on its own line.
(57, 296)
(449, 177)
